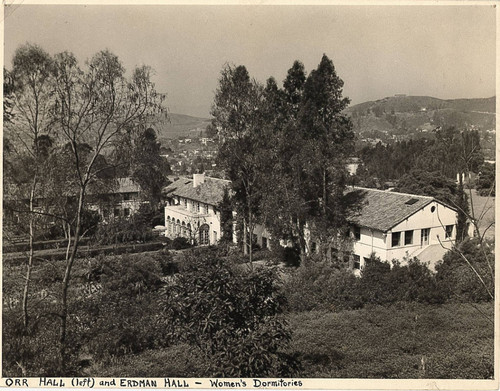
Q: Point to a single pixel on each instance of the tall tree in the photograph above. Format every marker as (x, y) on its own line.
(237, 112)
(314, 142)
(95, 106)
(149, 169)
(30, 87)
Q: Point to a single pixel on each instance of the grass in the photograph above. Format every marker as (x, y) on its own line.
(410, 341)
(484, 209)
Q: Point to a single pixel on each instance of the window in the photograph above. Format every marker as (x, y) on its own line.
(449, 232)
(185, 202)
(127, 196)
(126, 212)
(198, 207)
(356, 231)
(396, 239)
(424, 236)
(408, 237)
(313, 247)
(215, 236)
(264, 242)
(116, 212)
(356, 265)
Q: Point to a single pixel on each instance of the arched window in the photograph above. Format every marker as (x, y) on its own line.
(204, 235)
(183, 232)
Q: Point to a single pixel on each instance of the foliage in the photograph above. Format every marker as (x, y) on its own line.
(230, 315)
(149, 169)
(120, 319)
(457, 272)
(412, 282)
(319, 285)
(449, 151)
(237, 112)
(485, 182)
(310, 139)
(180, 243)
(430, 184)
(326, 286)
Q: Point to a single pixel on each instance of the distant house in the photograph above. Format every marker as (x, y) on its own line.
(396, 225)
(192, 210)
(206, 140)
(122, 201)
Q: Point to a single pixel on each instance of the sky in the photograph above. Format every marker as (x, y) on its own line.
(444, 51)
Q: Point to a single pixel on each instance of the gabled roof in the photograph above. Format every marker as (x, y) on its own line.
(127, 185)
(211, 191)
(382, 210)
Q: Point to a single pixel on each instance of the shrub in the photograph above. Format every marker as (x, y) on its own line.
(319, 285)
(412, 282)
(322, 285)
(122, 317)
(290, 256)
(230, 314)
(457, 278)
(180, 243)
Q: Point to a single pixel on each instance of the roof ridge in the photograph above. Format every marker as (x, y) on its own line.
(393, 192)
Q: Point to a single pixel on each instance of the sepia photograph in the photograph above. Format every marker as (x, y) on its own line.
(256, 196)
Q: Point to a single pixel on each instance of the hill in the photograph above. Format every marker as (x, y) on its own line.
(405, 117)
(180, 125)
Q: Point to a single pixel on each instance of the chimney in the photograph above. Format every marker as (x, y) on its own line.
(198, 179)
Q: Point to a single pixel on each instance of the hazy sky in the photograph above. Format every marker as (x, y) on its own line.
(441, 51)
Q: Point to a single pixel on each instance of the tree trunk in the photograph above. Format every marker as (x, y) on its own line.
(302, 241)
(250, 235)
(30, 258)
(325, 195)
(65, 284)
(245, 242)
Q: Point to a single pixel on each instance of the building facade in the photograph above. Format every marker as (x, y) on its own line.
(192, 209)
(120, 201)
(399, 226)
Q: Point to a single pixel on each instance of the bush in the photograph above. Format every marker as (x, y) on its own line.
(290, 256)
(231, 315)
(322, 285)
(457, 278)
(122, 318)
(319, 285)
(180, 243)
(413, 282)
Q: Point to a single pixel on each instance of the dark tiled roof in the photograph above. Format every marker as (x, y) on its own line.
(211, 191)
(382, 210)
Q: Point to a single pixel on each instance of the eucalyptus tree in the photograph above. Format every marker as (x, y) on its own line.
(29, 121)
(94, 106)
(238, 119)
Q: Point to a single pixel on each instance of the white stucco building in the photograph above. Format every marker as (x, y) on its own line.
(192, 209)
(395, 225)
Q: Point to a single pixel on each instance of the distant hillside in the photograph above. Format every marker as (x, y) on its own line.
(406, 117)
(408, 104)
(180, 125)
